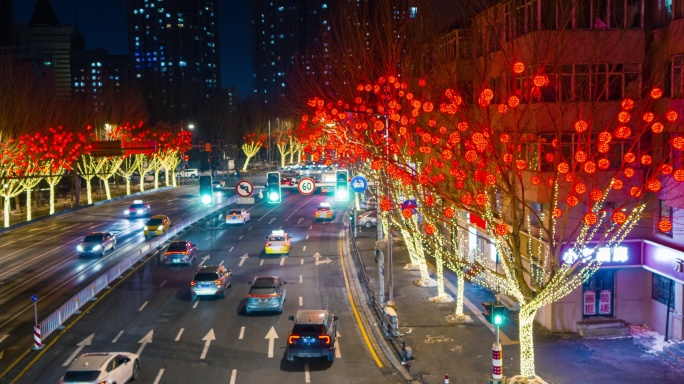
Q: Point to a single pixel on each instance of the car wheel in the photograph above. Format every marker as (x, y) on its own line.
(368, 225)
(136, 370)
(290, 357)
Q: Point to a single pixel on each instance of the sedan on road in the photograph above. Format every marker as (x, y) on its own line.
(210, 280)
(157, 225)
(137, 209)
(267, 293)
(238, 216)
(103, 367)
(324, 212)
(96, 244)
(278, 242)
(313, 334)
(180, 252)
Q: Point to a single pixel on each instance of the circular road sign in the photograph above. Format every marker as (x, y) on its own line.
(306, 186)
(358, 184)
(244, 188)
(34, 298)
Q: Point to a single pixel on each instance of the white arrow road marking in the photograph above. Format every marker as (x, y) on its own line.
(300, 279)
(301, 261)
(301, 301)
(300, 220)
(178, 336)
(143, 306)
(317, 256)
(307, 373)
(262, 263)
(3, 337)
(144, 341)
(282, 260)
(207, 340)
(233, 376)
(117, 337)
(242, 259)
(162, 284)
(271, 336)
(242, 333)
(338, 353)
(204, 259)
(304, 250)
(87, 341)
(271, 221)
(231, 249)
(159, 376)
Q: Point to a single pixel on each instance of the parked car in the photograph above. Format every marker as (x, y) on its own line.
(370, 204)
(96, 243)
(180, 252)
(103, 367)
(190, 172)
(368, 219)
(267, 293)
(212, 280)
(312, 335)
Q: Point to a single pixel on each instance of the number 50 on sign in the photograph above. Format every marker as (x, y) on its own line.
(306, 186)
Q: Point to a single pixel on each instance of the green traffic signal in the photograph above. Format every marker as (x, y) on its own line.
(273, 191)
(342, 185)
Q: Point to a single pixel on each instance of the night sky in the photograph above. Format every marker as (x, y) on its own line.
(104, 25)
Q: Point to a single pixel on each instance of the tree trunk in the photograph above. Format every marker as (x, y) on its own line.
(6, 211)
(28, 205)
(89, 190)
(459, 293)
(52, 197)
(525, 329)
(244, 167)
(142, 183)
(440, 276)
(107, 189)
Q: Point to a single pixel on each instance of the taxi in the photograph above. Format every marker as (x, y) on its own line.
(278, 242)
(157, 225)
(137, 209)
(324, 212)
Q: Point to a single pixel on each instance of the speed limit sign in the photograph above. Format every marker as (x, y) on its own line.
(306, 186)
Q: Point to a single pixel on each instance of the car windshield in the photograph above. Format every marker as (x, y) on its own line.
(308, 329)
(78, 376)
(206, 276)
(177, 246)
(234, 213)
(137, 206)
(262, 290)
(93, 238)
(276, 238)
(155, 222)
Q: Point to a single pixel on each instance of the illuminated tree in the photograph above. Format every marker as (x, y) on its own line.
(251, 146)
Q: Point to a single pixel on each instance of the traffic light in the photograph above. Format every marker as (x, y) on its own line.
(494, 312)
(273, 192)
(201, 145)
(342, 185)
(207, 147)
(206, 192)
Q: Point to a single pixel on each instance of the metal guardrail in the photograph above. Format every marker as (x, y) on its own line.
(55, 320)
(387, 320)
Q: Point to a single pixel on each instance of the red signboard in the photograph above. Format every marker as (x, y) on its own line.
(478, 221)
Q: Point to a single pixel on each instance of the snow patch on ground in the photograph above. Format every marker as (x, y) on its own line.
(426, 283)
(411, 267)
(442, 299)
(650, 339)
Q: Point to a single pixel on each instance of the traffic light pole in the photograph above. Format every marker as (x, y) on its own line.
(497, 353)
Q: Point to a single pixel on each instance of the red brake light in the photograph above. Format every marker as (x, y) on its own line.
(218, 282)
(268, 244)
(326, 338)
(291, 339)
(192, 283)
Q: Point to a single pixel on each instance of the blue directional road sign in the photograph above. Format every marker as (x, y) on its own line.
(412, 204)
(34, 298)
(358, 184)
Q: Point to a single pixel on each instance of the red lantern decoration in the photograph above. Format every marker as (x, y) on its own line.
(596, 195)
(590, 167)
(603, 164)
(518, 67)
(671, 116)
(385, 204)
(572, 200)
(627, 104)
(581, 126)
(619, 217)
(635, 191)
(665, 225)
(654, 185)
(656, 93)
(480, 199)
(557, 212)
(467, 199)
(563, 168)
(617, 184)
(502, 109)
(502, 229)
(580, 188)
(657, 127)
(590, 219)
(679, 175)
(449, 212)
(429, 200)
(535, 180)
(647, 117)
(580, 156)
(430, 229)
(407, 213)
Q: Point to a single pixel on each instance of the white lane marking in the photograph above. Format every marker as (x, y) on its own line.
(231, 249)
(307, 237)
(143, 306)
(271, 221)
(207, 238)
(240, 238)
(271, 336)
(180, 332)
(162, 284)
(144, 341)
(296, 210)
(117, 336)
(3, 337)
(250, 228)
(301, 262)
(300, 279)
(301, 301)
(204, 260)
(310, 228)
(242, 333)
(159, 376)
(87, 341)
(300, 220)
(262, 263)
(307, 374)
(233, 376)
(338, 353)
(282, 260)
(242, 259)
(304, 250)
(208, 338)
(195, 305)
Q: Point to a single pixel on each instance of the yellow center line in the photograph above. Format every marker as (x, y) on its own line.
(353, 307)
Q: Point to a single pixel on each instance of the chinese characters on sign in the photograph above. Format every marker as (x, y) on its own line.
(589, 303)
(603, 254)
(605, 303)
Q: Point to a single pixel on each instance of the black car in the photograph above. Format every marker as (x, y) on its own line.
(313, 334)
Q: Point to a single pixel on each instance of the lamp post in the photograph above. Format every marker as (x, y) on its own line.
(190, 128)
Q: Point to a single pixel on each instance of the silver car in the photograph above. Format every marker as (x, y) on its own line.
(104, 367)
(211, 280)
(267, 293)
(96, 244)
(368, 220)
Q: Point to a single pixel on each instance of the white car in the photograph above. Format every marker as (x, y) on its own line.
(278, 242)
(190, 172)
(103, 368)
(238, 216)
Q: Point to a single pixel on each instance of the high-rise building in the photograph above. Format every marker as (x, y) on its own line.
(174, 49)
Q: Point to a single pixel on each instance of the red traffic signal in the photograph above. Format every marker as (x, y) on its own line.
(207, 147)
(186, 157)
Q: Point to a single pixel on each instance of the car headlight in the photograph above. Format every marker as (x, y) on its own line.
(145, 228)
(79, 247)
(95, 248)
(160, 227)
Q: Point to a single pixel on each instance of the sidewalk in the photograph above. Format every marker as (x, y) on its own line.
(463, 350)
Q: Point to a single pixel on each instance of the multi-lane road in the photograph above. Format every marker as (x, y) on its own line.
(150, 311)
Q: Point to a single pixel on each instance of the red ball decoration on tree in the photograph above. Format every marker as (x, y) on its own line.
(385, 204)
(590, 219)
(619, 217)
(407, 213)
(502, 229)
(430, 229)
(665, 225)
(449, 212)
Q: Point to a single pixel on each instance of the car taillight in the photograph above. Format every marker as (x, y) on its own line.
(192, 283)
(218, 282)
(326, 338)
(292, 338)
(268, 244)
